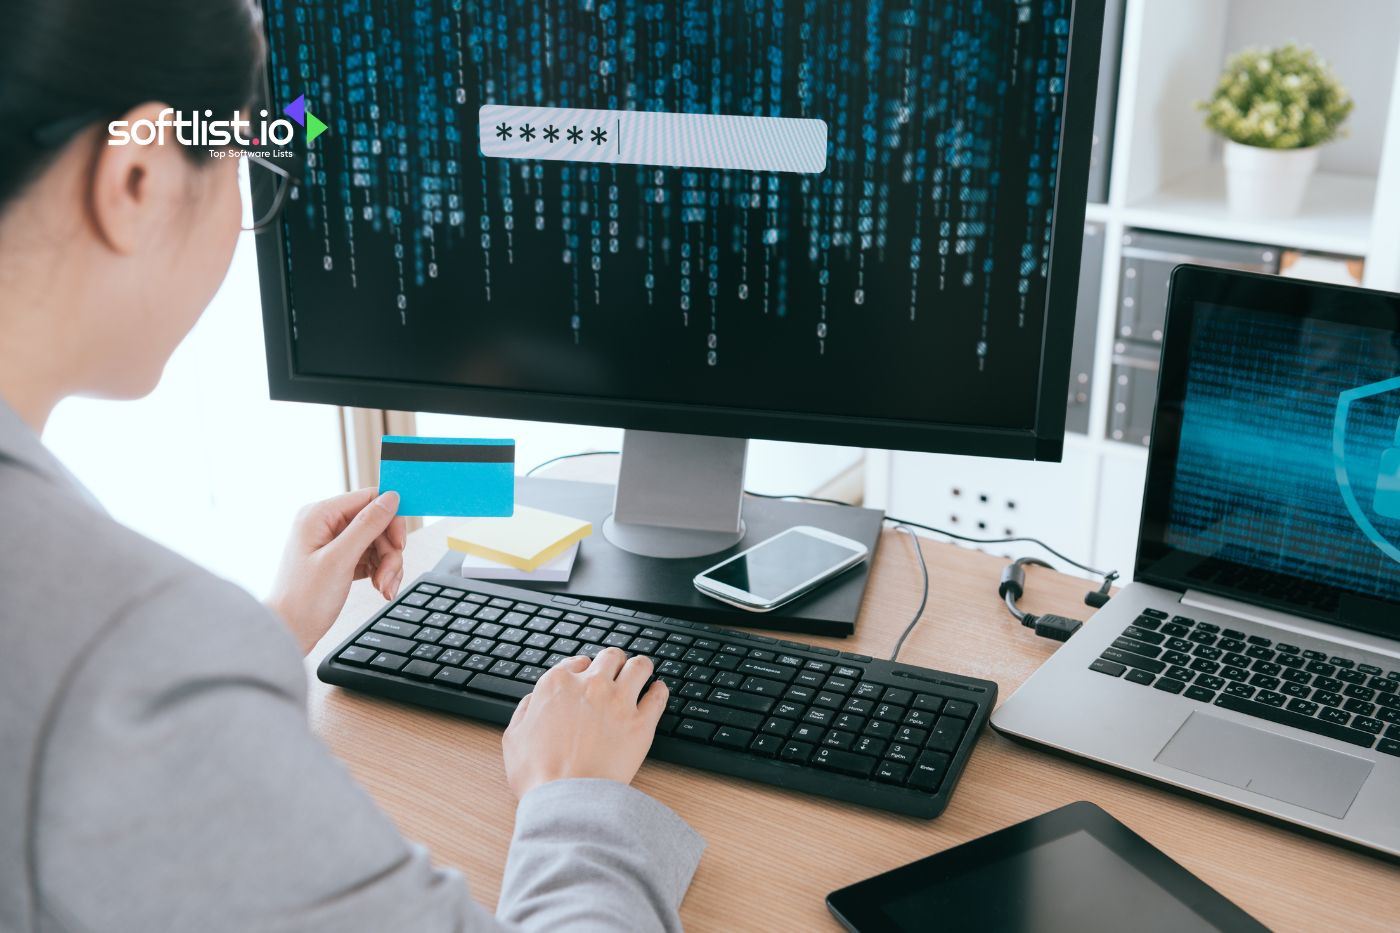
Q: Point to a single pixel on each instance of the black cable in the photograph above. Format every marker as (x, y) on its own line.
(582, 453)
(923, 599)
(949, 534)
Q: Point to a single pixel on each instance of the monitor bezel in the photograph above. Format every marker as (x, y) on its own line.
(1044, 441)
(1159, 563)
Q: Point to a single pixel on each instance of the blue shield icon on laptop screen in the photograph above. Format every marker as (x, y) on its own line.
(1366, 455)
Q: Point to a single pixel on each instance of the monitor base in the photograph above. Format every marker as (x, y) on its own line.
(670, 543)
(608, 574)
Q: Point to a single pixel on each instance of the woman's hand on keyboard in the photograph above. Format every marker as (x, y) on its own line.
(584, 720)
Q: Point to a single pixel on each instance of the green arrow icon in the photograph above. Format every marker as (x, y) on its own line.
(314, 127)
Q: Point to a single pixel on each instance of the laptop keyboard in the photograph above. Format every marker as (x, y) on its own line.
(1333, 696)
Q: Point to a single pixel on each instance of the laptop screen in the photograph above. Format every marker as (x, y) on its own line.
(1275, 473)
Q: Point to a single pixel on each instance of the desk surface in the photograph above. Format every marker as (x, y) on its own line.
(772, 869)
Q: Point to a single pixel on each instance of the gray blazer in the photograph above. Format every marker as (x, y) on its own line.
(157, 771)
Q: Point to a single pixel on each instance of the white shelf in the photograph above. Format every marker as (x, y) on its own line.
(1336, 217)
(1095, 212)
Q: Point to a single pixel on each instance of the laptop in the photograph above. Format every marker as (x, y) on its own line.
(1255, 659)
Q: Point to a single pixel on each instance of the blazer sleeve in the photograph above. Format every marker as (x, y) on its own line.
(179, 787)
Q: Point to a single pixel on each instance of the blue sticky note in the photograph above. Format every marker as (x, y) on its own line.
(449, 475)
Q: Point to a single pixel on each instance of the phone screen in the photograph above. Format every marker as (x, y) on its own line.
(779, 564)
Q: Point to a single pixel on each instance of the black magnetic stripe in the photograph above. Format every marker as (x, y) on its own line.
(448, 453)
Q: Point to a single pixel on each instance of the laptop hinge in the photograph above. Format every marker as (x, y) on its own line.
(1295, 624)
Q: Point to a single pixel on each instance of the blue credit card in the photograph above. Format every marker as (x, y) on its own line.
(449, 475)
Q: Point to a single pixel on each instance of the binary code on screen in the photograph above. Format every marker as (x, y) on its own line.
(914, 241)
(1256, 479)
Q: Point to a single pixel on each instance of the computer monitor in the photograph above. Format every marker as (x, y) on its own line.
(829, 221)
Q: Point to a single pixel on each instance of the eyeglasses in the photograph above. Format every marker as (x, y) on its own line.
(271, 181)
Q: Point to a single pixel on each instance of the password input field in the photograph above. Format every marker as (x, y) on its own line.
(631, 137)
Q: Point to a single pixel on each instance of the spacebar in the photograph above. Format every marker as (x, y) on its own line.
(499, 686)
(1298, 721)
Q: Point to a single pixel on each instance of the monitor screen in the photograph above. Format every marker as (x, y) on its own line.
(1276, 457)
(801, 209)
(1256, 479)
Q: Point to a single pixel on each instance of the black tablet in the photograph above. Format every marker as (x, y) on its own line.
(1072, 870)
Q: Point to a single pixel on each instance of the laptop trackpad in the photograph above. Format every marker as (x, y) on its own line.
(1295, 772)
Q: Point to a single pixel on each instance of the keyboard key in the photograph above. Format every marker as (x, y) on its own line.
(1286, 717)
(1137, 647)
(423, 670)
(767, 688)
(1138, 677)
(1199, 694)
(389, 662)
(902, 753)
(452, 676)
(396, 627)
(740, 700)
(1128, 659)
(1111, 668)
(924, 701)
(1366, 724)
(357, 655)
(962, 709)
(896, 696)
(732, 737)
(796, 751)
(1143, 635)
(858, 706)
(920, 718)
(385, 643)
(946, 733)
(1388, 747)
(1169, 684)
(695, 729)
(911, 735)
(892, 773)
(865, 745)
(500, 686)
(929, 770)
(766, 745)
(844, 762)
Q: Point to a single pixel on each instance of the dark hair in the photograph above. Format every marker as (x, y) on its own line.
(80, 62)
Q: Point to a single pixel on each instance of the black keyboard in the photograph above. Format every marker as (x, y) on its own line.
(802, 717)
(1329, 695)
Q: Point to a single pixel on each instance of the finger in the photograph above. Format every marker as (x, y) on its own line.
(608, 663)
(368, 524)
(389, 561)
(575, 665)
(398, 533)
(337, 511)
(634, 676)
(653, 702)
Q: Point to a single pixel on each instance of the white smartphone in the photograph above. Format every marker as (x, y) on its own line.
(780, 569)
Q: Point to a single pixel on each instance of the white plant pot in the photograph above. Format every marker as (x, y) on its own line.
(1266, 184)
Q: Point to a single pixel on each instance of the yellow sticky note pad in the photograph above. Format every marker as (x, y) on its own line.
(526, 540)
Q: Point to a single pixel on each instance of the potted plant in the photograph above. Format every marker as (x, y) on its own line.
(1276, 108)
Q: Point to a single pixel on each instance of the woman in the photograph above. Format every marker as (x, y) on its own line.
(157, 770)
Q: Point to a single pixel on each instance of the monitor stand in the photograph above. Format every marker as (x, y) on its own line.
(678, 495)
(663, 475)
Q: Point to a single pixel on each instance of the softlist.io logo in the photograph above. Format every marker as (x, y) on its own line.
(200, 129)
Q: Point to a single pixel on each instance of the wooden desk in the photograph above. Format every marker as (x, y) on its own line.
(773, 856)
